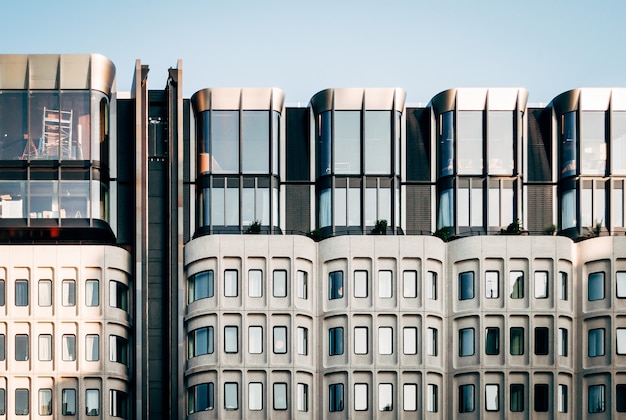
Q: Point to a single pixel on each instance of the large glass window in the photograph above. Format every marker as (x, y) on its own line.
(596, 399)
(470, 142)
(618, 142)
(255, 396)
(280, 340)
(501, 203)
(92, 402)
(68, 402)
(335, 341)
(231, 339)
(200, 341)
(596, 342)
(335, 397)
(14, 143)
(542, 337)
(517, 398)
(280, 396)
(466, 398)
(335, 285)
(231, 396)
(466, 342)
(255, 142)
(492, 397)
(22, 402)
(595, 286)
(385, 284)
(21, 293)
(118, 295)
(385, 397)
(378, 142)
(360, 397)
(324, 143)
(21, 347)
(568, 145)
(385, 340)
(360, 284)
(516, 341)
(347, 142)
(255, 283)
(492, 341)
(360, 340)
(119, 403)
(200, 286)
(224, 152)
(501, 142)
(593, 143)
(470, 202)
(446, 145)
(466, 285)
(516, 281)
(255, 340)
(492, 284)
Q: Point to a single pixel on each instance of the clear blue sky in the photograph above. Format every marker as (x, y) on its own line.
(546, 46)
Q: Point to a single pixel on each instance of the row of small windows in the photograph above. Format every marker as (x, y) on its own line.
(118, 293)
(385, 284)
(202, 285)
(385, 341)
(118, 348)
(466, 285)
(385, 397)
(201, 397)
(69, 403)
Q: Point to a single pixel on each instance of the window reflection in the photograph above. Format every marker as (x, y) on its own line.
(470, 142)
(255, 145)
(568, 144)
(13, 125)
(377, 142)
(618, 142)
(224, 151)
(593, 145)
(347, 142)
(501, 142)
(446, 144)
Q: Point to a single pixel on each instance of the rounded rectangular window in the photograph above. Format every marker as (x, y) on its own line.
(385, 397)
(541, 284)
(516, 281)
(360, 284)
(595, 286)
(200, 286)
(385, 284)
(280, 283)
(255, 283)
(385, 340)
(466, 285)
(255, 396)
(280, 340)
(255, 340)
(280, 396)
(466, 342)
(409, 397)
(466, 398)
(492, 398)
(335, 285)
(360, 397)
(492, 284)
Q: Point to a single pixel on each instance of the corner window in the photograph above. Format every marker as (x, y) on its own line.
(360, 397)
(431, 341)
(45, 293)
(68, 402)
(200, 398)
(255, 340)
(22, 400)
(303, 341)
(45, 347)
(596, 342)
(360, 284)
(409, 397)
(542, 398)
(466, 342)
(431, 285)
(516, 280)
(335, 341)
(92, 293)
(385, 340)
(335, 285)
(118, 295)
(596, 399)
(562, 399)
(541, 341)
(302, 287)
(385, 288)
(92, 402)
(492, 341)
(385, 397)
(21, 347)
(562, 342)
(303, 397)
(409, 281)
(516, 343)
(68, 293)
(492, 290)
(280, 396)
(21, 293)
(432, 398)
(280, 340)
(92, 347)
(255, 283)
(562, 285)
(466, 285)
(280, 283)
(69, 347)
(119, 403)
(517, 398)
(231, 396)
(200, 286)
(335, 398)
(231, 339)
(231, 288)
(492, 397)
(409, 340)
(360, 340)
(541, 284)
(595, 286)
(255, 396)
(466, 399)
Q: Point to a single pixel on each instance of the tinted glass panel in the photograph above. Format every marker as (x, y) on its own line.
(347, 142)
(225, 141)
(501, 142)
(568, 145)
(470, 142)
(255, 142)
(618, 142)
(377, 142)
(593, 147)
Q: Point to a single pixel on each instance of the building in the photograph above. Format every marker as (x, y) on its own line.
(230, 256)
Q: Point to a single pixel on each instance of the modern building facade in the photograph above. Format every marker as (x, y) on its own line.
(229, 256)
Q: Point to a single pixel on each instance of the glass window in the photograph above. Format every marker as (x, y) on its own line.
(45, 347)
(3, 355)
(255, 283)
(280, 340)
(231, 340)
(255, 396)
(501, 142)
(596, 342)
(492, 397)
(118, 349)
(230, 283)
(69, 347)
(385, 288)
(224, 152)
(568, 209)
(2, 293)
(563, 285)
(302, 284)
(410, 340)
(568, 145)
(335, 285)
(385, 397)
(432, 398)
(200, 286)
(620, 398)
(409, 281)
(593, 147)
(466, 285)
(231, 396)
(347, 142)
(517, 397)
(377, 142)
(280, 283)
(92, 347)
(618, 142)
(409, 397)
(21, 293)
(360, 340)
(620, 283)
(360, 397)
(466, 398)
(596, 286)
(492, 341)
(360, 284)
(118, 295)
(470, 142)
(303, 397)
(445, 210)
(92, 293)
(542, 335)
(92, 402)
(596, 398)
(303, 341)
(446, 144)
(466, 342)
(431, 341)
(22, 399)
(45, 293)
(255, 142)
(280, 396)
(617, 204)
(119, 403)
(200, 398)
(21, 347)
(69, 293)
(516, 280)
(621, 340)
(562, 342)
(541, 284)
(255, 340)
(542, 398)
(516, 343)
(431, 285)
(45, 402)
(492, 284)
(68, 402)
(335, 341)
(562, 399)
(335, 397)
(14, 123)
(385, 340)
